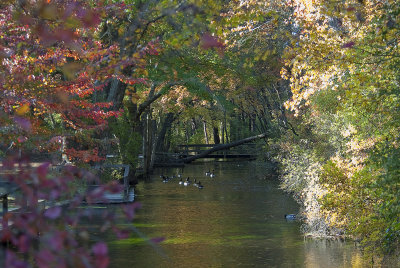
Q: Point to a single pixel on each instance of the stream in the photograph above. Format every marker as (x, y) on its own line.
(237, 220)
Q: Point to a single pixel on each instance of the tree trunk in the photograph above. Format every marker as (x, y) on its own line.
(216, 135)
(152, 144)
(147, 143)
(205, 131)
(223, 147)
(166, 125)
(223, 130)
(114, 92)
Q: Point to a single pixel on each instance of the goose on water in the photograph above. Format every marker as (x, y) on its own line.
(290, 216)
(187, 182)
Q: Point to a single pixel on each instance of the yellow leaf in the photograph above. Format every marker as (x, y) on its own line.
(121, 31)
(21, 110)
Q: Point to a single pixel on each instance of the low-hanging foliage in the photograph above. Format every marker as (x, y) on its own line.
(46, 226)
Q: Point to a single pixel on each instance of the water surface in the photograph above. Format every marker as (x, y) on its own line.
(237, 220)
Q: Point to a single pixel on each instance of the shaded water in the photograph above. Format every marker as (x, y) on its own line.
(237, 220)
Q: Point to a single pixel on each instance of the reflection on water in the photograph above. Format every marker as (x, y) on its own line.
(237, 220)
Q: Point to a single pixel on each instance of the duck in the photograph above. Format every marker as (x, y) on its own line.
(195, 184)
(187, 182)
(290, 217)
(180, 181)
(200, 186)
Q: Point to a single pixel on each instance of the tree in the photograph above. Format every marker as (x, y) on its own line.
(48, 76)
(50, 65)
(345, 85)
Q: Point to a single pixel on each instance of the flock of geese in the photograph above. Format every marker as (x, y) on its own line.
(195, 183)
(187, 181)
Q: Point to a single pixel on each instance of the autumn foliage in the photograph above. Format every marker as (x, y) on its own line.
(342, 65)
(51, 66)
(49, 214)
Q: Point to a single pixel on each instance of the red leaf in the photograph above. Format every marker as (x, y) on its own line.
(102, 262)
(209, 41)
(22, 139)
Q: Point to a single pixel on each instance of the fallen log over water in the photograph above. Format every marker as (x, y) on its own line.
(216, 148)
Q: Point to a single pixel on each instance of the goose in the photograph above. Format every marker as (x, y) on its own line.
(200, 186)
(208, 173)
(212, 175)
(187, 182)
(180, 181)
(290, 216)
(164, 179)
(195, 184)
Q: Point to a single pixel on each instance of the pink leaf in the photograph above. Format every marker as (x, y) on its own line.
(157, 240)
(66, 35)
(54, 194)
(44, 258)
(23, 243)
(129, 210)
(100, 249)
(13, 261)
(122, 233)
(114, 187)
(56, 139)
(43, 169)
(8, 163)
(56, 241)
(102, 262)
(23, 123)
(348, 45)
(53, 213)
(90, 19)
